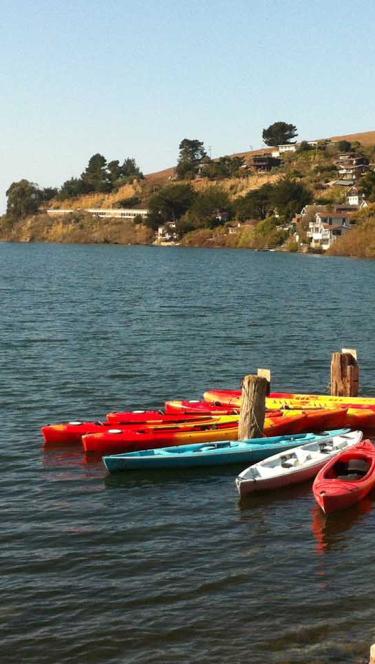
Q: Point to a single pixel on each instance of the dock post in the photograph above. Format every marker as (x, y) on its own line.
(253, 407)
(345, 373)
(372, 654)
(266, 373)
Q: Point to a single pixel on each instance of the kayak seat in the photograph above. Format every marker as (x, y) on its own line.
(350, 477)
(326, 448)
(354, 469)
(288, 462)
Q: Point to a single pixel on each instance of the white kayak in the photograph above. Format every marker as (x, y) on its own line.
(295, 465)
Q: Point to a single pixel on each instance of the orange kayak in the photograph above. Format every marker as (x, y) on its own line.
(320, 419)
(360, 418)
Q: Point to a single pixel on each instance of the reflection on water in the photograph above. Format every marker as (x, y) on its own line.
(330, 531)
(261, 499)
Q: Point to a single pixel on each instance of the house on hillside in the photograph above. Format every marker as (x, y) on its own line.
(167, 233)
(350, 168)
(263, 163)
(355, 199)
(281, 149)
(327, 226)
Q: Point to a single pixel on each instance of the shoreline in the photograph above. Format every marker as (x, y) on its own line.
(43, 229)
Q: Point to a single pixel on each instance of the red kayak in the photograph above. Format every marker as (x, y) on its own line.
(128, 439)
(191, 406)
(117, 439)
(72, 432)
(346, 479)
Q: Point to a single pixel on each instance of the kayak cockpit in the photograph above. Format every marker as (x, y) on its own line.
(350, 470)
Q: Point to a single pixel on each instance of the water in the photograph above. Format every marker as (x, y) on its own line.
(168, 567)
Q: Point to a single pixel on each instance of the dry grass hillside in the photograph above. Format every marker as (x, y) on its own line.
(235, 186)
(101, 200)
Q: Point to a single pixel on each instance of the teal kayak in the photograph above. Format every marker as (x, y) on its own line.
(211, 454)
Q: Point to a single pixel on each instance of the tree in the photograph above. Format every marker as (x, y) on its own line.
(24, 198)
(268, 235)
(48, 193)
(114, 171)
(256, 204)
(224, 167)
(95, 177)
(285, 196)
(368, 185)
(289, 197)
(169, 204)
(210, 208)
(129, 168)
(191, 154)
(279, 133)
(344, 146)
(71, 188)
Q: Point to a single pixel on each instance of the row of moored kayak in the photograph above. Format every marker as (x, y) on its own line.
(204, 433)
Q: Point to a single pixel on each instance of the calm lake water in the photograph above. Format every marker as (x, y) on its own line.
(167, 567)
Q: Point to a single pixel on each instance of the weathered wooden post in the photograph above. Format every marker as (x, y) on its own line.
(253, 406)
(345, 373)
(266, 373)
(372, 654)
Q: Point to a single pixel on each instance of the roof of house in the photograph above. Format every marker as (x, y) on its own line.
(336, 215)
(332, 227)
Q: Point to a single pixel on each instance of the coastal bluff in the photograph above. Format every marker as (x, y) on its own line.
(76, 228)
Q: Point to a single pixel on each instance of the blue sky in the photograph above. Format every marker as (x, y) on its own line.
(132, 78)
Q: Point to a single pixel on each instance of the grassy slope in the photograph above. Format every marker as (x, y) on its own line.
(78, 228)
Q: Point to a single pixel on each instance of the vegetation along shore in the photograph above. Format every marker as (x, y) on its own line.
(309, 196)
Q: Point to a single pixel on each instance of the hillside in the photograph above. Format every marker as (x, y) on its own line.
(230, 201)
(366, 138)
(142, 189)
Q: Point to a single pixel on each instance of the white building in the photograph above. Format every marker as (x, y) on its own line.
(167, 233)
(103, 213)
(326, 227)
(289, 147)
(355, 199)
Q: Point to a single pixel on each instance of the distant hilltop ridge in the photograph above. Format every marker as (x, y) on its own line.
(366, 138)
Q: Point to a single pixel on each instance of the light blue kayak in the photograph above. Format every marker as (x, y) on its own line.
(211, 454)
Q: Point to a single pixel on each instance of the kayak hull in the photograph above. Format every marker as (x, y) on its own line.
(346, 479)
(232, 398)
(215, 454)
(298, 466)
(72, 432)
(194, 406)
(130, 440)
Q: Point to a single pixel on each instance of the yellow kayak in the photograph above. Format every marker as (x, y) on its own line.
(290, 400)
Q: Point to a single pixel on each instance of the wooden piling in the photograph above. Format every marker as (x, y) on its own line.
(253, 407)
(345, 373)
(266, 373)
(372, 654)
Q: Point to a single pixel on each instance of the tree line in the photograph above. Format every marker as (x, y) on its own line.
(25, 198)
(174, 202)
(194, 161)
(190, 210)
